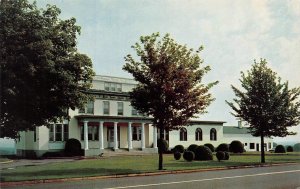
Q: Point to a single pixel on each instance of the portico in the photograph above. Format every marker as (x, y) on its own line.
(117, 132)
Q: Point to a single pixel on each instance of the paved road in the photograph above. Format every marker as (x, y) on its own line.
(277, 177)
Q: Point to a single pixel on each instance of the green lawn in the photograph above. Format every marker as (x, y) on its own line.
(129, 164)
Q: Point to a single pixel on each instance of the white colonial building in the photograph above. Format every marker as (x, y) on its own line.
(110, 122)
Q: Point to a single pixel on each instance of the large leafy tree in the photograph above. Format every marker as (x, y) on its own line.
(42, 74)
(170, 87)
(266, 103)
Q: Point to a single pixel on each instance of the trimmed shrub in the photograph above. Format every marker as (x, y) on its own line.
(162, 145)
(192, 148)
(289, 149)
(279, 149)
(210, 146)
(188, 155)
(226, 156)
(236, 147)
(177, 155)
(203, 153)
(297, 147)
(220, 155)
(223, 147)
(73, 147)
(178, 148)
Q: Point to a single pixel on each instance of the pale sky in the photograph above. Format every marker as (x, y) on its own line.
(233, 33)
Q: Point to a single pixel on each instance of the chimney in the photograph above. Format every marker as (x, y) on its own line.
(240, 124)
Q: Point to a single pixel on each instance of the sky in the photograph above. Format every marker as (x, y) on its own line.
(234, 33)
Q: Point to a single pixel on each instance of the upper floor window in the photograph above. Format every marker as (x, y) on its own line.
(58, 132)
(106, 107)
(88, 108)
(134, 111)
(120, 108)
(108, 86)
(213, 134)
(183, 134)
(198, 134)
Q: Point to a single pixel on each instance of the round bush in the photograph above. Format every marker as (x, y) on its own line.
(226, 156)
(236, 147)
(73, 147)
(178, 148)
(289, 149)
(297, 147)
(223, 147)
(220, 155)
(210, 146)
(203, 153)
(188, 155)
(279, 149)
(162, 145)
(177, 155)
(192, 148)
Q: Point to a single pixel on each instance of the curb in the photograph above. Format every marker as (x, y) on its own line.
(32, 182)
(9, 161)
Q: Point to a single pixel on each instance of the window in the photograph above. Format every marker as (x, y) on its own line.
(114, 87)
(252, 146)
(93, 133)
(183, 134)
(270, 145)
(120, 108)
(136, 133)
(34, 135)
(58, 132)
(87, 109)
(119, 87)
(133, 111)
(213, 134)
(106, 86)
(246, 144)
(198, 134)
(106, 107)
(165, 134)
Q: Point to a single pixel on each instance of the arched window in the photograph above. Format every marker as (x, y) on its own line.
(213, 134)
(198, 134)
(183, 134)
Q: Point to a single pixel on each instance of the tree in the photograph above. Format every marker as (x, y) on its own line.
(267, 104)
(169, 86)
(42, 74)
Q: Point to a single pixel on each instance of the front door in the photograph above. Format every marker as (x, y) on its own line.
(110, 137)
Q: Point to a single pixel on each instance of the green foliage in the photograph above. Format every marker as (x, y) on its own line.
(177, 155)
(178, 148)
(280, 149)
(162, 145)
(73, 147)
(223, 147)
(42, 74)
(169, 77)
(210, 146)
(297, 147)
(192, 148)
(236, 147)
(220, 155)
(226, 156)
(289, 149)
(203, 153)
(188, 155)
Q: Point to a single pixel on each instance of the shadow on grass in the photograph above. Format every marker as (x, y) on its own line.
(51, 174)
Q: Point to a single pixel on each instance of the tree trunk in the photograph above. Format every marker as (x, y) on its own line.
(262, 148)
(160, 151)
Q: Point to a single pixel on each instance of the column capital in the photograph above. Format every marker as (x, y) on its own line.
(85, 121)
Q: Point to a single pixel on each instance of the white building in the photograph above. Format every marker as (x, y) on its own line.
(110, 122)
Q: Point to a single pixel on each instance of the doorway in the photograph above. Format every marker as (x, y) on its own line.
(110, 136)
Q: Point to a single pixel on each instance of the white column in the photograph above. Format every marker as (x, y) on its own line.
(54, 132)
(143, 135)
(101, 135)
(85, 131)
(154, 137)
(115, 135)
(129, 136)
(165, 134)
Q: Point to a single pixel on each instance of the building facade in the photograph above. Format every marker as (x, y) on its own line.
(110, 122)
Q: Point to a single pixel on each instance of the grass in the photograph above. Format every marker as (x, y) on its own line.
(2, 159)
(129, 164)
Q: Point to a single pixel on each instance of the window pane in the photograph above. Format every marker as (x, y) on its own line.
(106, 107)
(106, 86)
(66, 132)
(134, 133)
(96, 133)
(58, 132)
(133, 111)
(120, 108)
(51, 134)
(112, 87)
(90, 132)
(90, 107)
(119, 87)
